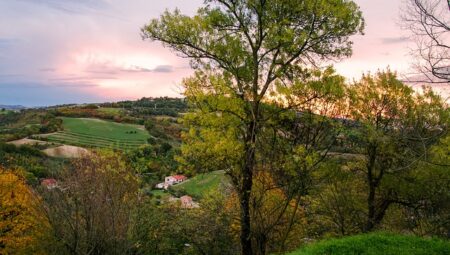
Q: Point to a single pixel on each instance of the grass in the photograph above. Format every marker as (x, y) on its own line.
(99, 133)
(113, 111)
(199, 185)
(377, 244)
(160, 193)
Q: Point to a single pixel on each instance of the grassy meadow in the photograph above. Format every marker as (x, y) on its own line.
(377, 243)
(100, 133)
(201, 184)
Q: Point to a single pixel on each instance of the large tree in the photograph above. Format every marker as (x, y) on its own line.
(252, 45)
(397, 127)
(429, 24)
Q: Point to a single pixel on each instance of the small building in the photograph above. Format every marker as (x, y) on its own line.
(171, 180)
(49, 183)
(174, 179)
(160, 185)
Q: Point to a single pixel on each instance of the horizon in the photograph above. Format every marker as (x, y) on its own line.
(64, 52)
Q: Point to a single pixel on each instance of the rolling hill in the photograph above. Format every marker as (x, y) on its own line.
(87, 132)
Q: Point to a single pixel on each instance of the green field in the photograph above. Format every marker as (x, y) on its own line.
(115, 111)
(377, 244)
(200, 184)
(99, 133)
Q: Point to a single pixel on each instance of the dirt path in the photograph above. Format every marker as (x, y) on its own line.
(27, 141)
(66, 151)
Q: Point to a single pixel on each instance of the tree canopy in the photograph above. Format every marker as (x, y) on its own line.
(241, 49)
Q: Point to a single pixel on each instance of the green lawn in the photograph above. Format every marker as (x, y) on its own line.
(100, 133)
(377, 244)
(199, 185)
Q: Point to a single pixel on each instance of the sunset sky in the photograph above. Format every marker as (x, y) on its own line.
(78, 51)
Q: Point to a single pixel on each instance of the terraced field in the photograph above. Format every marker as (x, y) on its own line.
(99, 133)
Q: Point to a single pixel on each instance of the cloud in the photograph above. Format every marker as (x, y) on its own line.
(136, 68)
(157, 69)
(71, 6)
(111, 68)
(394, 40)
(84, 78)
(163, 69)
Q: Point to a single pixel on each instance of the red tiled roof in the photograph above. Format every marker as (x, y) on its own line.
(179, 177)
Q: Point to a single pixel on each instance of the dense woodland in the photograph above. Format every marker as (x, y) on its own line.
(306, 154)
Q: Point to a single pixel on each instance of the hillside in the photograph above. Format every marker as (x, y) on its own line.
(376, 244)
(99, 133)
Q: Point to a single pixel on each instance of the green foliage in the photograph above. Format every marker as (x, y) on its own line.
(16, 125)
(163, 130)
(152, 162)
(145, 107)
(4, 111)
(229, 32)
(169, 229)
(31, 161)
(397, 128)
(428, 193)
(377, 243)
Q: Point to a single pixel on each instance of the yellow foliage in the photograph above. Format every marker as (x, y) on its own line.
(21, 224)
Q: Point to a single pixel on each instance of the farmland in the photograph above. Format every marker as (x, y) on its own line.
(99, 133)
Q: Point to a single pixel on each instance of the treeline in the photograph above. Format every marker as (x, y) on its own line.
(134, 112)
(29, 162)
(92, 111)
(16, 125)
(152, 106)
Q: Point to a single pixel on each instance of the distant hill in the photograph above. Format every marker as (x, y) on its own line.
(12, 107)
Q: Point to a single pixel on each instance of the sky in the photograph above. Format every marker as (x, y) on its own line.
(84, 51)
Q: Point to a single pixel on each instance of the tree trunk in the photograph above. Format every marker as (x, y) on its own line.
(245, 190)
(371, 180)
(246, 241)
(371, 208)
